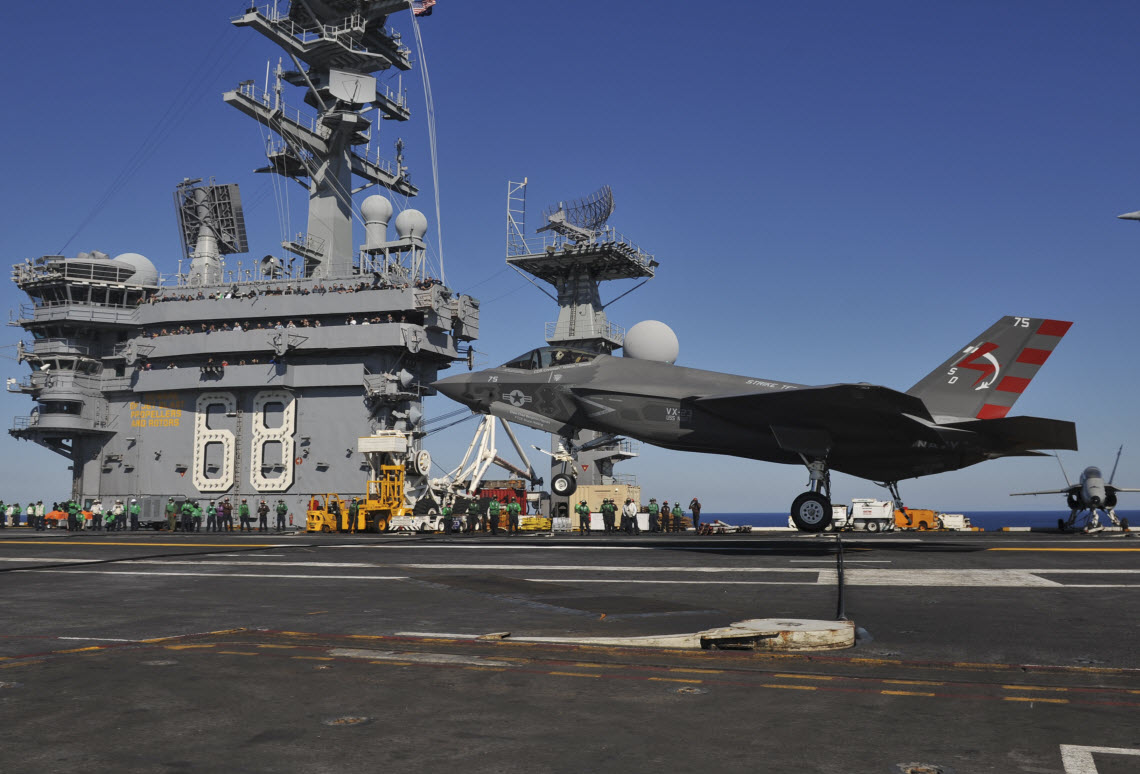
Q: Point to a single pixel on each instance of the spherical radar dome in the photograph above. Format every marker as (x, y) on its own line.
(145, 272)
(411, 223)
(376, 209)
(651, 340)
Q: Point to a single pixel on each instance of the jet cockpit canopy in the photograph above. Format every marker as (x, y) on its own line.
(548, 357)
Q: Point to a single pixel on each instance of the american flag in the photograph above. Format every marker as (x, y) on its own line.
(423, 7)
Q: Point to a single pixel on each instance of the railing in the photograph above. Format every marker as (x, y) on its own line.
(589, 330)
(338, 33)
(58, 346)
(294, 115)
(76, 311)
(623, 479)
(541, 242)
(23, 422)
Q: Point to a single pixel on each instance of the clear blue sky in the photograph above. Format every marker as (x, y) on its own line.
(836, 191)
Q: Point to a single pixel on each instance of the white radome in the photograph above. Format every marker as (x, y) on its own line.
(411, 223)
(376, 209)
(146, 273)
(651, 340)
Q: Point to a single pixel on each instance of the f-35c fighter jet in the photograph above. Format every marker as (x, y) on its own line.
(953, 418)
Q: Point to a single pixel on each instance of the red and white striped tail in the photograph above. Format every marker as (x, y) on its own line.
(984, 379)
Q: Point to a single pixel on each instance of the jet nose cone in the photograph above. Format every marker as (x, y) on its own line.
(1130, 216)
(452, 386)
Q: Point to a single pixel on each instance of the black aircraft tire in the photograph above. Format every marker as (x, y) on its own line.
(563, 485)
(872, 526)
(811, 512)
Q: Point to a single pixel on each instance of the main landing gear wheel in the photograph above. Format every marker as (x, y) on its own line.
(872, 526)
(563, 485)
(811, 512)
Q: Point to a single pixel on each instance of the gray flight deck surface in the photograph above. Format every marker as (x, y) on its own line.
(978, 652)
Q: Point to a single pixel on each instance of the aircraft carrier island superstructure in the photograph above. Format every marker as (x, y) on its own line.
(256, 382)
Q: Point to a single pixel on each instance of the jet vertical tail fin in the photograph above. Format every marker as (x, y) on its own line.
(984, 379)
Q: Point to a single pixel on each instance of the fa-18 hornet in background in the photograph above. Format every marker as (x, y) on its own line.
(953, 418)
(1088, 496)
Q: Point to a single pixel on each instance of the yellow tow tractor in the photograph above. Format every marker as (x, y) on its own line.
(385, 499)
(327, 513)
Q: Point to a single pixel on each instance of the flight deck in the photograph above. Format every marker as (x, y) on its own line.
(158, 652)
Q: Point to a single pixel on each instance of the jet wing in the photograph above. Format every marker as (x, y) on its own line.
(836, 400)
(1049, 491)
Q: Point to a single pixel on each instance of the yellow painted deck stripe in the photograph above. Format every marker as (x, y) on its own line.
(1110, 550)
(906, 693)
(140, 544)
(238, 653)
(20, 664)
(806, 677)
(309, 658)
(1033, 688)
(911, 682)
(392, 663)
(1035, 698)
(281, 647)
(80, 650)
(485, 669)
(573, 674)
(699, 671)
(789, 687)
(674, 680)
(185, 647)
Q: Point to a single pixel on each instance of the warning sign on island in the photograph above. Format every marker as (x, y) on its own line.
(163, 409)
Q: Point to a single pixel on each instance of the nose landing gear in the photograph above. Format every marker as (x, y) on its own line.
(811, 511)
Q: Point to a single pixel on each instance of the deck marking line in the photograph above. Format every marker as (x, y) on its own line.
(911, 682)
(237, 653)
(96, 639)
(221, 575)
(1033, 688)
(140, 544)
(313, 658)
(392, 663)
(805, 677)
(1078, 759)
(1121, 550)
(573, 674)
(186, 647)
(674, 680)
(1035, 698)
(789, 687)
(906, 693)
(20, 664)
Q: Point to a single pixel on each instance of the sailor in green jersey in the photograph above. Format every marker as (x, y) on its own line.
(211, 518)
(170, 516)
(513, 511)
(282, 509)
(677, 513)
(654, 509)
(445, 519)
(609, 510)
(353, 514)
(472, 515)
(493, 515)
(583, 512)
(135, 511)
(243, 514)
